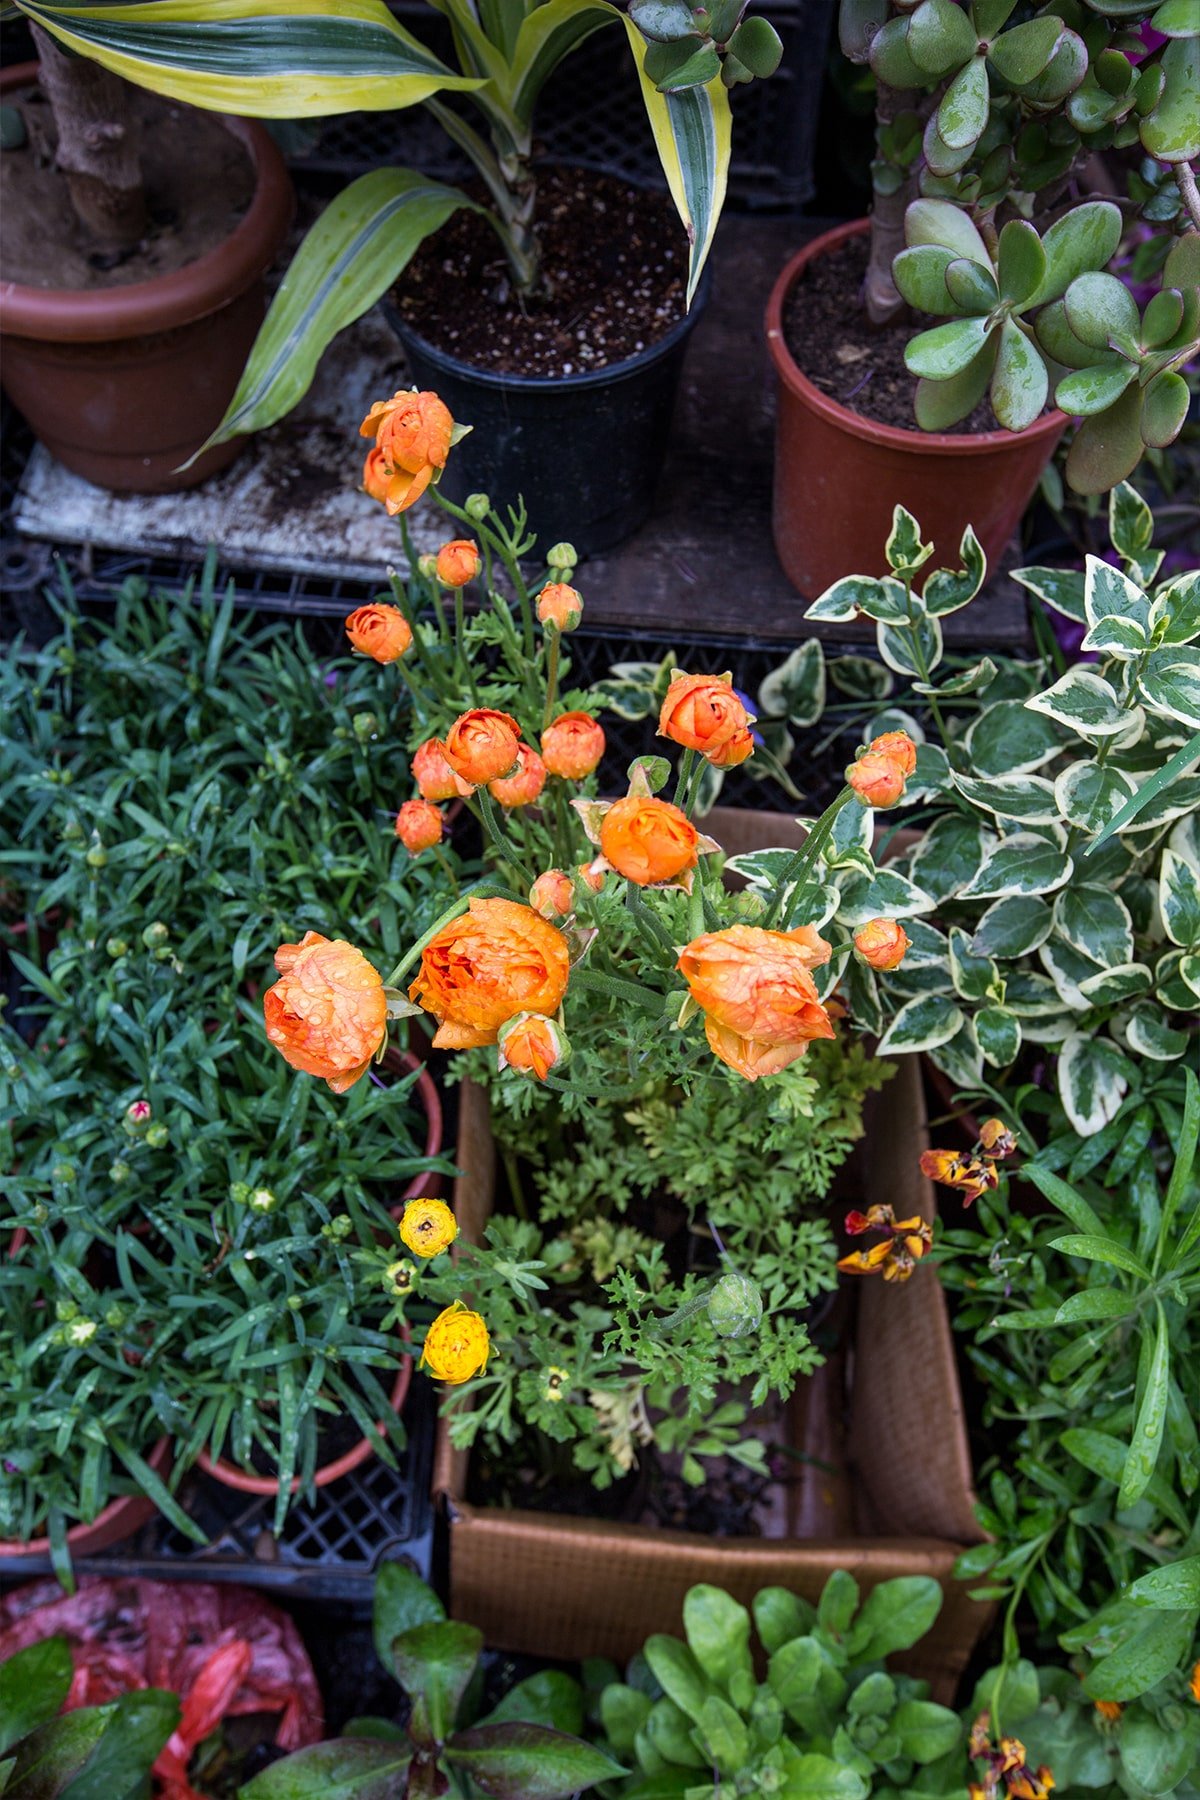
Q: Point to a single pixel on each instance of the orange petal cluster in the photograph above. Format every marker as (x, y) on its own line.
(897, 1253)
(378, 631)
(482, 745)
(879, 774)
(326, 1015)
(458, 562)
(755, 987)
(553, 894)
(973, 1175)
(433, 775)
(418, 826)
(412, 433)
(497, 959)
(572, 745)
(560, 605)
(526, 782)
(882, 943)
(532, 1045)
(648, 840)
(703, 713)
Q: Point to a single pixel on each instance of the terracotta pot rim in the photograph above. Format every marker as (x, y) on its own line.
(79, 1535)
(87, 315)
(230, 1475)
(403, 1062)
(914, 442)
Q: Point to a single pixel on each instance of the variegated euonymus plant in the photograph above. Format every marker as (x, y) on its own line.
(981, 127)
(301, 59)
(1053, 898)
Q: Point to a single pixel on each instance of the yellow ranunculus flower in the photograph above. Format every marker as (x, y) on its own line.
(456, 1345)
(428, 1227)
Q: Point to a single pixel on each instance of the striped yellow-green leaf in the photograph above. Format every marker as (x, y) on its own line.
(262, 58)
(354, 252)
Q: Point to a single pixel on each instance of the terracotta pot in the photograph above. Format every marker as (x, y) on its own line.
(124, 383)
(115, 1522)
(402, 1062)
(838, 475)
(246, 1483)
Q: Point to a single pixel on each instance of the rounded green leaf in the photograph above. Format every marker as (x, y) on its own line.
(1094, 921)
(1108, 446)
(1021, 262)
(940, 37)
(920, 276)
(1012, 927)
(1083, 701)
(890, 60)
(1165, 402)
(1176, 18)
(971, 287)
(1064, 72)
(1102, 312)
(1162, 318)
(940, 404)
(1085, 238)
(947, 349)
(941, 222)
(1092, 1081)
(1182, 267)
(999, 1034)
(757, 45)
(1059, 341)
(963, 110)
(1020, 381)
(1172, 131)
(1087, 391)
(1089, 797)
(1020, 55)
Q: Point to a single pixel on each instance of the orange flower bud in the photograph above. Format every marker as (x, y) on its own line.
(458, 562)
(532, 1045)
(378, 631)
(703, 713)
(877, 780)
(327, 1014)
(755, 988)
(882, 943)
(560, 605)
(495, 960)
(418, 826)
(648, 840)
(739, 748)
(899, 746)
(376, 474)
(432, 773)
(522, 787)
(593, 876)
(412, 433)
(572, 745)
(552, 894)
(482, 745)
(457, 1345)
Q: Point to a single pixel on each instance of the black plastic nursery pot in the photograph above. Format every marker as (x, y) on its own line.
(583, 451)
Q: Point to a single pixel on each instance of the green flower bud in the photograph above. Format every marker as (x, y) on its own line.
(749, 905)
(294, 1302)
(338, 1228)
(66, 777)
(81, 1331)
(66, 1309)
(71, 832)
(239, 1193)
(735, 1306)
(136, 1117)
(117, 947)
(477, 507)
(155, 934)
(562, 556)
(366, 725)
(96, 857)
(119, 1171)
(115, 1317)
(262, 1200)
(64, 1172)
(427, 566)
(157, 1136)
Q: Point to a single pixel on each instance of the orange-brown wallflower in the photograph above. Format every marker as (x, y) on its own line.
(378, 631)
(995, 1138)
(702, 713)
(327, 1014)
(560, 605)
(648, 840)
(432, 773)
(495, 960)
(552, 894)
(897, 1254)
(526, 782)
(1007, 1775)
(882, 943)
(482, 745)
(418, 826)
(458, 562)
(755, 987)
(973, 1175)
(572, 745)
(412, 433)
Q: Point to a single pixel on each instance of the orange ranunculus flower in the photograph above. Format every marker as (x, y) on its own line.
(755, 988)
(877, 780)
(433, 775)
(376, 474)
(899, 746)
(703, 713)
(412, 433)
(495, 960)
(458, 562)
(572, 745)
(482, 745)
(974, 1175)
(326, 1014)
(378, 631)
(457, 1345)
(560, 605)
(1194, 1683)
(418, 826)
(737, 751)
(526, 782)
(553, 894)
(648, 840)
(882, 943)
(532, 1045)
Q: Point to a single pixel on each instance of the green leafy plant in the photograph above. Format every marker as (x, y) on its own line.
(526, 1748)
(829, 1721)
(1084, 1336)
(1054, 896)
(48, 1755)
(280, 59)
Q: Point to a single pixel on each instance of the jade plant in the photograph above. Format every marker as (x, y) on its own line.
(827, 1718)
(982, 126)
(293, 59)
(1053, 898)
(527, 1747)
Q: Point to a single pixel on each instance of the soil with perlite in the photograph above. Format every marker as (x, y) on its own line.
(615, 261)
(199, 182)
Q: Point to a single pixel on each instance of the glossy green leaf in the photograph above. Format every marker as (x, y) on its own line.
(919, 273)
(1171, 133)
(717, 1628)
(547, 34)
(940, 37)
(941, 222)
(1083, 701)
(1101, 310)
(527, 1762)
(433, 1662)
(349, 1769)
(1151, 1419)
(947, 349)
(1062, 589)
(971, 287)
(943, 403)
(1173, 1588)
(890, 60)
(33, 1686)
(963, 110)
(1090, 797)
(921, 1024)
(1012, 927)
(1141, 1661)
(402, 1600)
(1165, 402)
(1170, 683)
(1021, 54)
(1092, 1083)
(894, 1616)
(1085, 238)
(1092, 390)
(1175, 18)
(1021, 263)
(1108, 446)
(1020, 382)
(1021, 864)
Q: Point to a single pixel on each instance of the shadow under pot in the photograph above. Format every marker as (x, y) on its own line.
(124, 383)
(838, 474)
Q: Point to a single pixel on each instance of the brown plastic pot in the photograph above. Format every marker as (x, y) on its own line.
(230, 1475)
(112, 1525)
(123, 384)
(839, 475)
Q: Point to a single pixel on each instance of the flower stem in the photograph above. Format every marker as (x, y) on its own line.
(805, 859)
(482, 890)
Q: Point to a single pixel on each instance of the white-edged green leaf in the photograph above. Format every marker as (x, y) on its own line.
(1147, 1033)
(921, 1024)
(1090, 797)
(1093, 1078)
(975, 977)
(761, 868)
(848, 845)
(974, 680)
(1177, 980)
(1084, 702)
(1067, 968)
(353, 253)
(948, 589)
(860, 677)
(269, 59)
(845, 600)
(546, 35)
(911, 649)
(1110, 594)
(1032, 996)
(960, 1058)
(998, 1030)
(1029, 798)
(796, 689)
(1096, 922)
(1021, 864)
(887, 895)
(1123, 638)
(948, 855)
(1170, 683)
(1179, 797)
(1179, 602)
(1122, 982)
(1062, 589)
(1012, 927)
(1179, 898)
(1007, 739)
